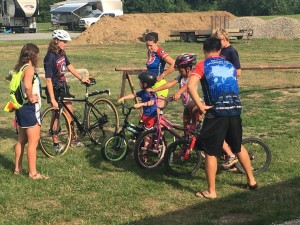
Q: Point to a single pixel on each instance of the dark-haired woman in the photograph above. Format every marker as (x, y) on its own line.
(28, 116)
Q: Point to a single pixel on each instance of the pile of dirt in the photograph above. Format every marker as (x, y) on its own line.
(130, 27)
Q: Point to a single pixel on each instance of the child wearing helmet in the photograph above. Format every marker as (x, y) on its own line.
(148, 100)
(56, 63)
(184, 64)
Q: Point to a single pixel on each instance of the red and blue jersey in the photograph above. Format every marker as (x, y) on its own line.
(156, 63)
(219, 86)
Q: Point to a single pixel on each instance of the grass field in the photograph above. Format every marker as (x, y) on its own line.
(85, 189)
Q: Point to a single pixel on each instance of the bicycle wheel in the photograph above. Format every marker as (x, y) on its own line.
(55, 126)
(102, 120)
(114, 148)
(147, 156)
(177, 164)
(259, 153)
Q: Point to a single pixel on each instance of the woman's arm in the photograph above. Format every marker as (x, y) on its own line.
(72, 69)
(170, 69)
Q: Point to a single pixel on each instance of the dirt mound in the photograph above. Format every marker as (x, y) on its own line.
(130, 27)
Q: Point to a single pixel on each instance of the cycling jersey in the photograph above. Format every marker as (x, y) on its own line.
(219, 86)
(155, 63)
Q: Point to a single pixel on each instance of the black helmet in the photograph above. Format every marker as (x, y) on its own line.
(185, 60)
(148, 78)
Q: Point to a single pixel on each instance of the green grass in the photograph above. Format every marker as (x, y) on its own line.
(85, 189)
(296, 16)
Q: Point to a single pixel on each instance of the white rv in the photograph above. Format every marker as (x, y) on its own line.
(19, 15)
(83, 13)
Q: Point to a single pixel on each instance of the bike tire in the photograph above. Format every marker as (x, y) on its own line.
(102, 120)
(176, 164)
(259, 153)
(64, 135)
(114, 148)
(149, 159)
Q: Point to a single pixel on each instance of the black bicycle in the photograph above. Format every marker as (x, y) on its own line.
(116, 147)
(100, 120)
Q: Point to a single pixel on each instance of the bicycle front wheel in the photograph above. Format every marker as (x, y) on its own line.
(259, 153)
(102, 120)
(114, 148)
(178, 163)
(55, 129)
(147, 153)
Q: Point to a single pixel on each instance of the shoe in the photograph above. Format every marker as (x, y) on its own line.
(38, 176)
(230, 162)
(252, 187)
(231, 169)
(77, 143)
(58, 148)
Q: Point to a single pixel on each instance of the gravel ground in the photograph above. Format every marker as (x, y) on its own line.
(30, 36)
(280, 28)
(292, 222)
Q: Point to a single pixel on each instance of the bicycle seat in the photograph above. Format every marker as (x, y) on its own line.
(92, 82)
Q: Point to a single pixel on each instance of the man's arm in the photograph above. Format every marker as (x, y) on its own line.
(192, 83)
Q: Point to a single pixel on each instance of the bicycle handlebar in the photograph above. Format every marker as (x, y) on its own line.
(126, 108)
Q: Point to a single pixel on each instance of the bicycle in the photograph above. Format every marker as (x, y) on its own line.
(183, 159)
(152, 155)
(115, 148)
(100, 119)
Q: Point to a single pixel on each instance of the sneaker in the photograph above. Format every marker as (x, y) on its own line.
(231, 169)
(58, 148)
(230, 162)
(77, 143)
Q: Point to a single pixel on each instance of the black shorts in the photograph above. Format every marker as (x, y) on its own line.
(216, 130)
(60, 90)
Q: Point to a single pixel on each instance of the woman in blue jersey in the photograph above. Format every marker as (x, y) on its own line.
(56, 63)
(157, 60)
(29, 115)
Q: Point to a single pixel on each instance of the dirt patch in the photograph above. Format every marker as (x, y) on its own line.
(130, 27)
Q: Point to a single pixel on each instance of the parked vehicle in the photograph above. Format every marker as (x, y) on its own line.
(81, 14)
(19, 15)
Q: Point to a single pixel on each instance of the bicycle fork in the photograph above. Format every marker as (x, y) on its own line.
(188, 151)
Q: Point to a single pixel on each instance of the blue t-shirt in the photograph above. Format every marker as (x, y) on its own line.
(231, 55)
(219, 86)
(145, 97)
(55, 66)
(156, 63)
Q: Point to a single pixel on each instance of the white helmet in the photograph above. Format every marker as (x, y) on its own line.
(61, 35)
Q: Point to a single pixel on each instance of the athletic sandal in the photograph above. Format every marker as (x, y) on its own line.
(200, 194)
(16, 172)
(38, 176)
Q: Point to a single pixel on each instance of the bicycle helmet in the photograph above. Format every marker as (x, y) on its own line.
(147, 78)
(61, 35)
(185, 60)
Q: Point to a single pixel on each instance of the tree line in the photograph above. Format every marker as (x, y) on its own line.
(236, 7)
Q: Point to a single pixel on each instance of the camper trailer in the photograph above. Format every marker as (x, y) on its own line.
(80, 14)
(19, 15)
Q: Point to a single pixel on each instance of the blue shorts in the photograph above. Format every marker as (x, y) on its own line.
(28, 115)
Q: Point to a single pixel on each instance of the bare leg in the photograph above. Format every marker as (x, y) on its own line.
(33, 135)
(227, 149)
(244, 159)
(210, 171)
(19, 149)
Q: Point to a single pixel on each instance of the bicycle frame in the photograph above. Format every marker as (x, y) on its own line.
(63, 106)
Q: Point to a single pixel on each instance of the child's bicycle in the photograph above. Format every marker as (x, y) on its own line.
(182, 159)
(115, 147)
(100, 119)
(157, 139)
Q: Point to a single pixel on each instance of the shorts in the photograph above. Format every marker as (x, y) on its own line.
(163, 93)
(149, 121)
(215, 130)
(186, 111)
(60, 90)
(28, 115)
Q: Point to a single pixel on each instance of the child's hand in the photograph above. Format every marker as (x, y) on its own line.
(120, 101)
(149, 90)
(176, 96)
(138, 105)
